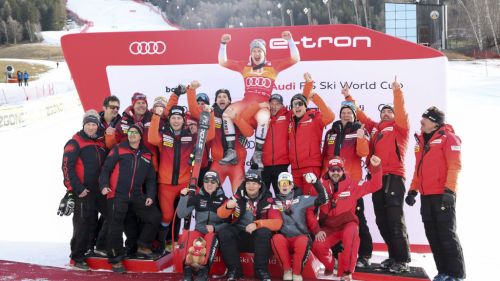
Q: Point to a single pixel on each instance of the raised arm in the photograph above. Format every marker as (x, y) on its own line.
(282, 64)
(223, 61)
(154, 137)
(327, 115)
(400, 114)
(362, 142)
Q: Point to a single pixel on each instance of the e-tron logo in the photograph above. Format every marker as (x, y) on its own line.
(147, 48)
(258, 82)
(337, 41)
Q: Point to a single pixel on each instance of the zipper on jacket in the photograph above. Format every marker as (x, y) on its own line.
(133, 174)
(272, 138)
(295, 136)
(177, 160)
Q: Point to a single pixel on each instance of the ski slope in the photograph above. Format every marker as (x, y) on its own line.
(112, 16)
(31, 177)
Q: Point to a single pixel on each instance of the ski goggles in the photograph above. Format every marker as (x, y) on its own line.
(113, 107)
(348, 103)
(298, 103)
(284, 183)
(133, 132)
(210, 181)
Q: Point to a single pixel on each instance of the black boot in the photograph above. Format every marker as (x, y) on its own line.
(188, 273)
(234, 274)
(162, 239)
(262, 275)
(202, 274)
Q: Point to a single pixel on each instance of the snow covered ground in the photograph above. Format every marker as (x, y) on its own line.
(31, 178)
(111, 16)
(31, 181)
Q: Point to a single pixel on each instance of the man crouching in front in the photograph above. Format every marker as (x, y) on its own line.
(253, 223)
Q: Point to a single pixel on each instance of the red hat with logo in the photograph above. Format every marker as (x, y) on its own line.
(139, 96)
(336, 162)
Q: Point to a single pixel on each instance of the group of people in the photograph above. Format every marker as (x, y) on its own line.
(131, 169)
(22, 77)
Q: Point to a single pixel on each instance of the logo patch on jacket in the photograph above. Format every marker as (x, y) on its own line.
(344, 195)
(168, 141)
(187, 139)
(281, 118)
(218, 122)
(203, 203)
(145, 158)
(455, 148)
(436, 141)
(417, 148)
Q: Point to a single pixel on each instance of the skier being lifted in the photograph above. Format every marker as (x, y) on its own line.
(259, 76)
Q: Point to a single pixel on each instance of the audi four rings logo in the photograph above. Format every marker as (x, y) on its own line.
(147, 48)
(258, 82)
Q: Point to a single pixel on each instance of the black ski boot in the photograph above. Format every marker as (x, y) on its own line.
(230, 156)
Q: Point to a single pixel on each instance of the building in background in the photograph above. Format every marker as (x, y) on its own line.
(417, 22)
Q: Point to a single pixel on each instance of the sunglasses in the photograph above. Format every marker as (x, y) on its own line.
(284, 183)
(298, 103)
(113, 107)
(210, 181)
(335, 169)
(133, 132)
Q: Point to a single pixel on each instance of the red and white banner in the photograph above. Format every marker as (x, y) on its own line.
(153, 62)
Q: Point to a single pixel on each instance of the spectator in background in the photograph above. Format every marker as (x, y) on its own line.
(26, 76)
(19, 78)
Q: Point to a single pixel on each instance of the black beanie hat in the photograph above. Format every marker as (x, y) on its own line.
(277, 97)
(177, 110)
(435, 115)
(299, 97)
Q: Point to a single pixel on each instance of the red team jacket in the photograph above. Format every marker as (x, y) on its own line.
(438, 163)
(333, 219)
(305, 139)
(389, 139)
(275, 151)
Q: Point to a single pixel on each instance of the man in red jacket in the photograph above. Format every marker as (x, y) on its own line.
(389, 139)
(305, 133)
(337, 221)
(437, 165)
(275, 151)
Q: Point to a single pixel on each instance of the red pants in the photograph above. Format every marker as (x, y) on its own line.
(166, 195)
(347, 259)
(236, 173)
(209, 237)
(283, 246)
(298, 179)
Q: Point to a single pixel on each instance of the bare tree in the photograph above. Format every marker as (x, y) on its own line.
(488, 16)
(477, 34)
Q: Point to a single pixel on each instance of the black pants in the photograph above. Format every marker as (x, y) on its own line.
(85, 213)
(234, 240)
(117, 213)
(365, 238)
(270, 176)
(440, 229)
(99, 227)
(388, 205)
